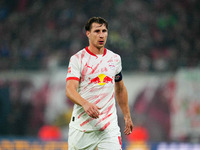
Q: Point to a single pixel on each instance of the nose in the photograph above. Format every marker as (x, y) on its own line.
(101, 34)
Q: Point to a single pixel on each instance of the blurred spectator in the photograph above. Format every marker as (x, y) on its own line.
(5, 106)
(48, 132)
(139, 134)
(22, 107)
(149, 35)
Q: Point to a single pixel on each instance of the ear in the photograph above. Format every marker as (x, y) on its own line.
(88, 33)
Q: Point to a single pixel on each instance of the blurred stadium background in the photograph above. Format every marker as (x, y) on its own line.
(158, 40)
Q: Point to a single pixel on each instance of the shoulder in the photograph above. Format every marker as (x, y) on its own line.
(78, 54)
(116, 56)
(109, 52)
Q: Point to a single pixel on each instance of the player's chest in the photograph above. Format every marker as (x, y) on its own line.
(95, 66)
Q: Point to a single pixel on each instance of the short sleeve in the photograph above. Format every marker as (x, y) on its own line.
(118, 64)
(73, 69)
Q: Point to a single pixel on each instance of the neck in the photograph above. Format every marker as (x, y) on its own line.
(95, 50)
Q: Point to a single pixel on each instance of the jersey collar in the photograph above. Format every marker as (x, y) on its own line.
(105, 51)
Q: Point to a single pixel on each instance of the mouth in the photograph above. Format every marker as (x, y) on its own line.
(101, 42)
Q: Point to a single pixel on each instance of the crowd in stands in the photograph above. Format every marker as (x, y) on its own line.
(150, 35)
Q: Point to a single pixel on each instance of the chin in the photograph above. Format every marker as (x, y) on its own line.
(100, 46)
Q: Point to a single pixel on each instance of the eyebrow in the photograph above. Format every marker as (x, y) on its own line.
(96, 30)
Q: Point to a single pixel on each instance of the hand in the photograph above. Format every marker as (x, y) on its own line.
(128, 126)
(91, 109)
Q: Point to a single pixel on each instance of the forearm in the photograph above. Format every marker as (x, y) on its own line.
(75, 97)
(122, 100)
(71, 92)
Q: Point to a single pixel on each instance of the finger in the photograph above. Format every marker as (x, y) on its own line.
(127, 132)
(95, 114)
(96, 111)
(127, 128)
(98, 107)
(91, 113)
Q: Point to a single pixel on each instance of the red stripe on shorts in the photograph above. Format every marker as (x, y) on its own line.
(120, 141)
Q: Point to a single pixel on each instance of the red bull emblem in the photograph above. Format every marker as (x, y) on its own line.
(101, 79)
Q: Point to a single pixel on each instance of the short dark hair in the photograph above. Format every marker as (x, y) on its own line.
(98, 20)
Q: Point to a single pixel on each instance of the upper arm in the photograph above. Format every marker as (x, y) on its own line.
(71, 88)
(71, 85)
(72, 93)
(119, 86)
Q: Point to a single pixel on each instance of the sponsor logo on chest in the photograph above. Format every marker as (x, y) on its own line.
(101, 79)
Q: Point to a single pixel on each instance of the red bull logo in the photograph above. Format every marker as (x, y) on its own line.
(101, 79)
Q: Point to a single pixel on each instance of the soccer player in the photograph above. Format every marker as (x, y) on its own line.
(94, 79)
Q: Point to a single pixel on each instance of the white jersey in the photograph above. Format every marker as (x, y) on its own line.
(96, 76)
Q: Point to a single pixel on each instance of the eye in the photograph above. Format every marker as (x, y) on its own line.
(104, 30)
(97, 31)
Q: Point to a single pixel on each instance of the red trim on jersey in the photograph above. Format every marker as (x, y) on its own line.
(90, 52)
(72, 78)
(105, 51)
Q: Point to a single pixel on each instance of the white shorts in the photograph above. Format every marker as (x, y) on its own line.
(102, 140)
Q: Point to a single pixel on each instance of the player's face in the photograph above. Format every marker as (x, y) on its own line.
(98, 35)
